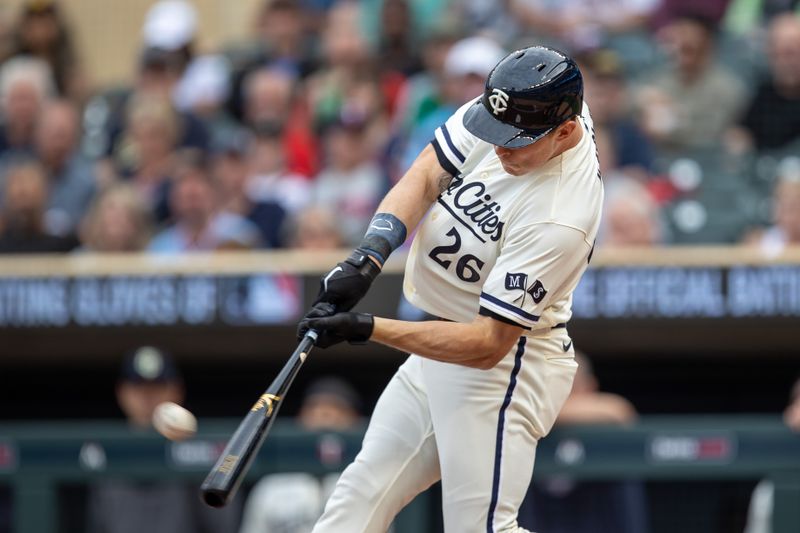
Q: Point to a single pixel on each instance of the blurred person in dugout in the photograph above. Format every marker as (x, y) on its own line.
(759, 515)
(23, 227)
(292, 502)
(690, 103)
(559, 504)
(198, 224)
(148, 377)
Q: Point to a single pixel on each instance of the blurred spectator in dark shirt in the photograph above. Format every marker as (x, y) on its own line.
(631, 215)
(22, 219)
(283, 36)
(230, 171)
(272, 95)
(198, 225)
(118, 221)
(397, 54)
(351, 183)
(397, 44)
(148, 377)
(314, 228)
(292, 502)
(773, 117)
(559, 504)
(621, 144)
(42, 32)
(692, 102)
(25, 85)
(70, 175)
(269, 178)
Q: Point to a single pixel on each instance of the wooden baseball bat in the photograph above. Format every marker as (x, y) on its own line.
(224, 479)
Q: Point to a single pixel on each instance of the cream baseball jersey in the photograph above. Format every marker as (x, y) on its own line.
(510, 247)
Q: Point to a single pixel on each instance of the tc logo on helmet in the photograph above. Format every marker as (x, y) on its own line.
(499, 101)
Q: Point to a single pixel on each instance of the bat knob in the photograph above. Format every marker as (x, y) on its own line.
(213, 498)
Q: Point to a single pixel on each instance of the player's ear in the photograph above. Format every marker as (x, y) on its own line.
(566, 129)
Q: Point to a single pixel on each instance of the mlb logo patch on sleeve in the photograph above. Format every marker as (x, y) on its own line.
(516, 281)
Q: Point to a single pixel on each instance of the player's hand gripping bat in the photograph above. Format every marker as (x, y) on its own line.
(224, 479)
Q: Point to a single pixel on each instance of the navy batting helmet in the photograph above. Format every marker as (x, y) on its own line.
(528, 94)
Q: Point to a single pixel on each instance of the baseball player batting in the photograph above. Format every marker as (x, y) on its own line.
(509, 198)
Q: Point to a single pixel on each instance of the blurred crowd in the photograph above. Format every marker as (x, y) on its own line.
(290, 137)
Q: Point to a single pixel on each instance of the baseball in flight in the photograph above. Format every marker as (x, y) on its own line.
(174, 421)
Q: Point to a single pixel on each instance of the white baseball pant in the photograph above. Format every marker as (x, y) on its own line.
(475, 429)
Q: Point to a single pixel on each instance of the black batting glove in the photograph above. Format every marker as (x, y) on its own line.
(355, 328)
(348, 282)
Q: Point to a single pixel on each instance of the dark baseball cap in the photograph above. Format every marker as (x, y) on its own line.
(336, 390)
(148, 364)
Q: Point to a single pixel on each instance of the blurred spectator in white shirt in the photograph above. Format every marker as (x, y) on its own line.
(270, 180)
(351, 183)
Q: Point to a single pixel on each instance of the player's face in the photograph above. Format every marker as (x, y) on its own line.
(519, 161)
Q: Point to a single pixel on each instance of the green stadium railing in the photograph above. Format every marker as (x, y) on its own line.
(36, 457)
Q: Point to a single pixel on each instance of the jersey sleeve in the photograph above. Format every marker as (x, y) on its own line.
(538, 264)
(453, 143)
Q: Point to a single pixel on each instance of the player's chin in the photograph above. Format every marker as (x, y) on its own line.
(514, 170)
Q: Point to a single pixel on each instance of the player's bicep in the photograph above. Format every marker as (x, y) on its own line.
(537, 266)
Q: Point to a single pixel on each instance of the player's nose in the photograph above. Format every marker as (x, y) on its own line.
(502, 151)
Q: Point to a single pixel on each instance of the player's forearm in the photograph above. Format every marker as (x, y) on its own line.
(469, 344)
(413, 195)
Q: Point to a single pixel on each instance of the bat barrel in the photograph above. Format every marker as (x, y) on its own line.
(227, 474)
